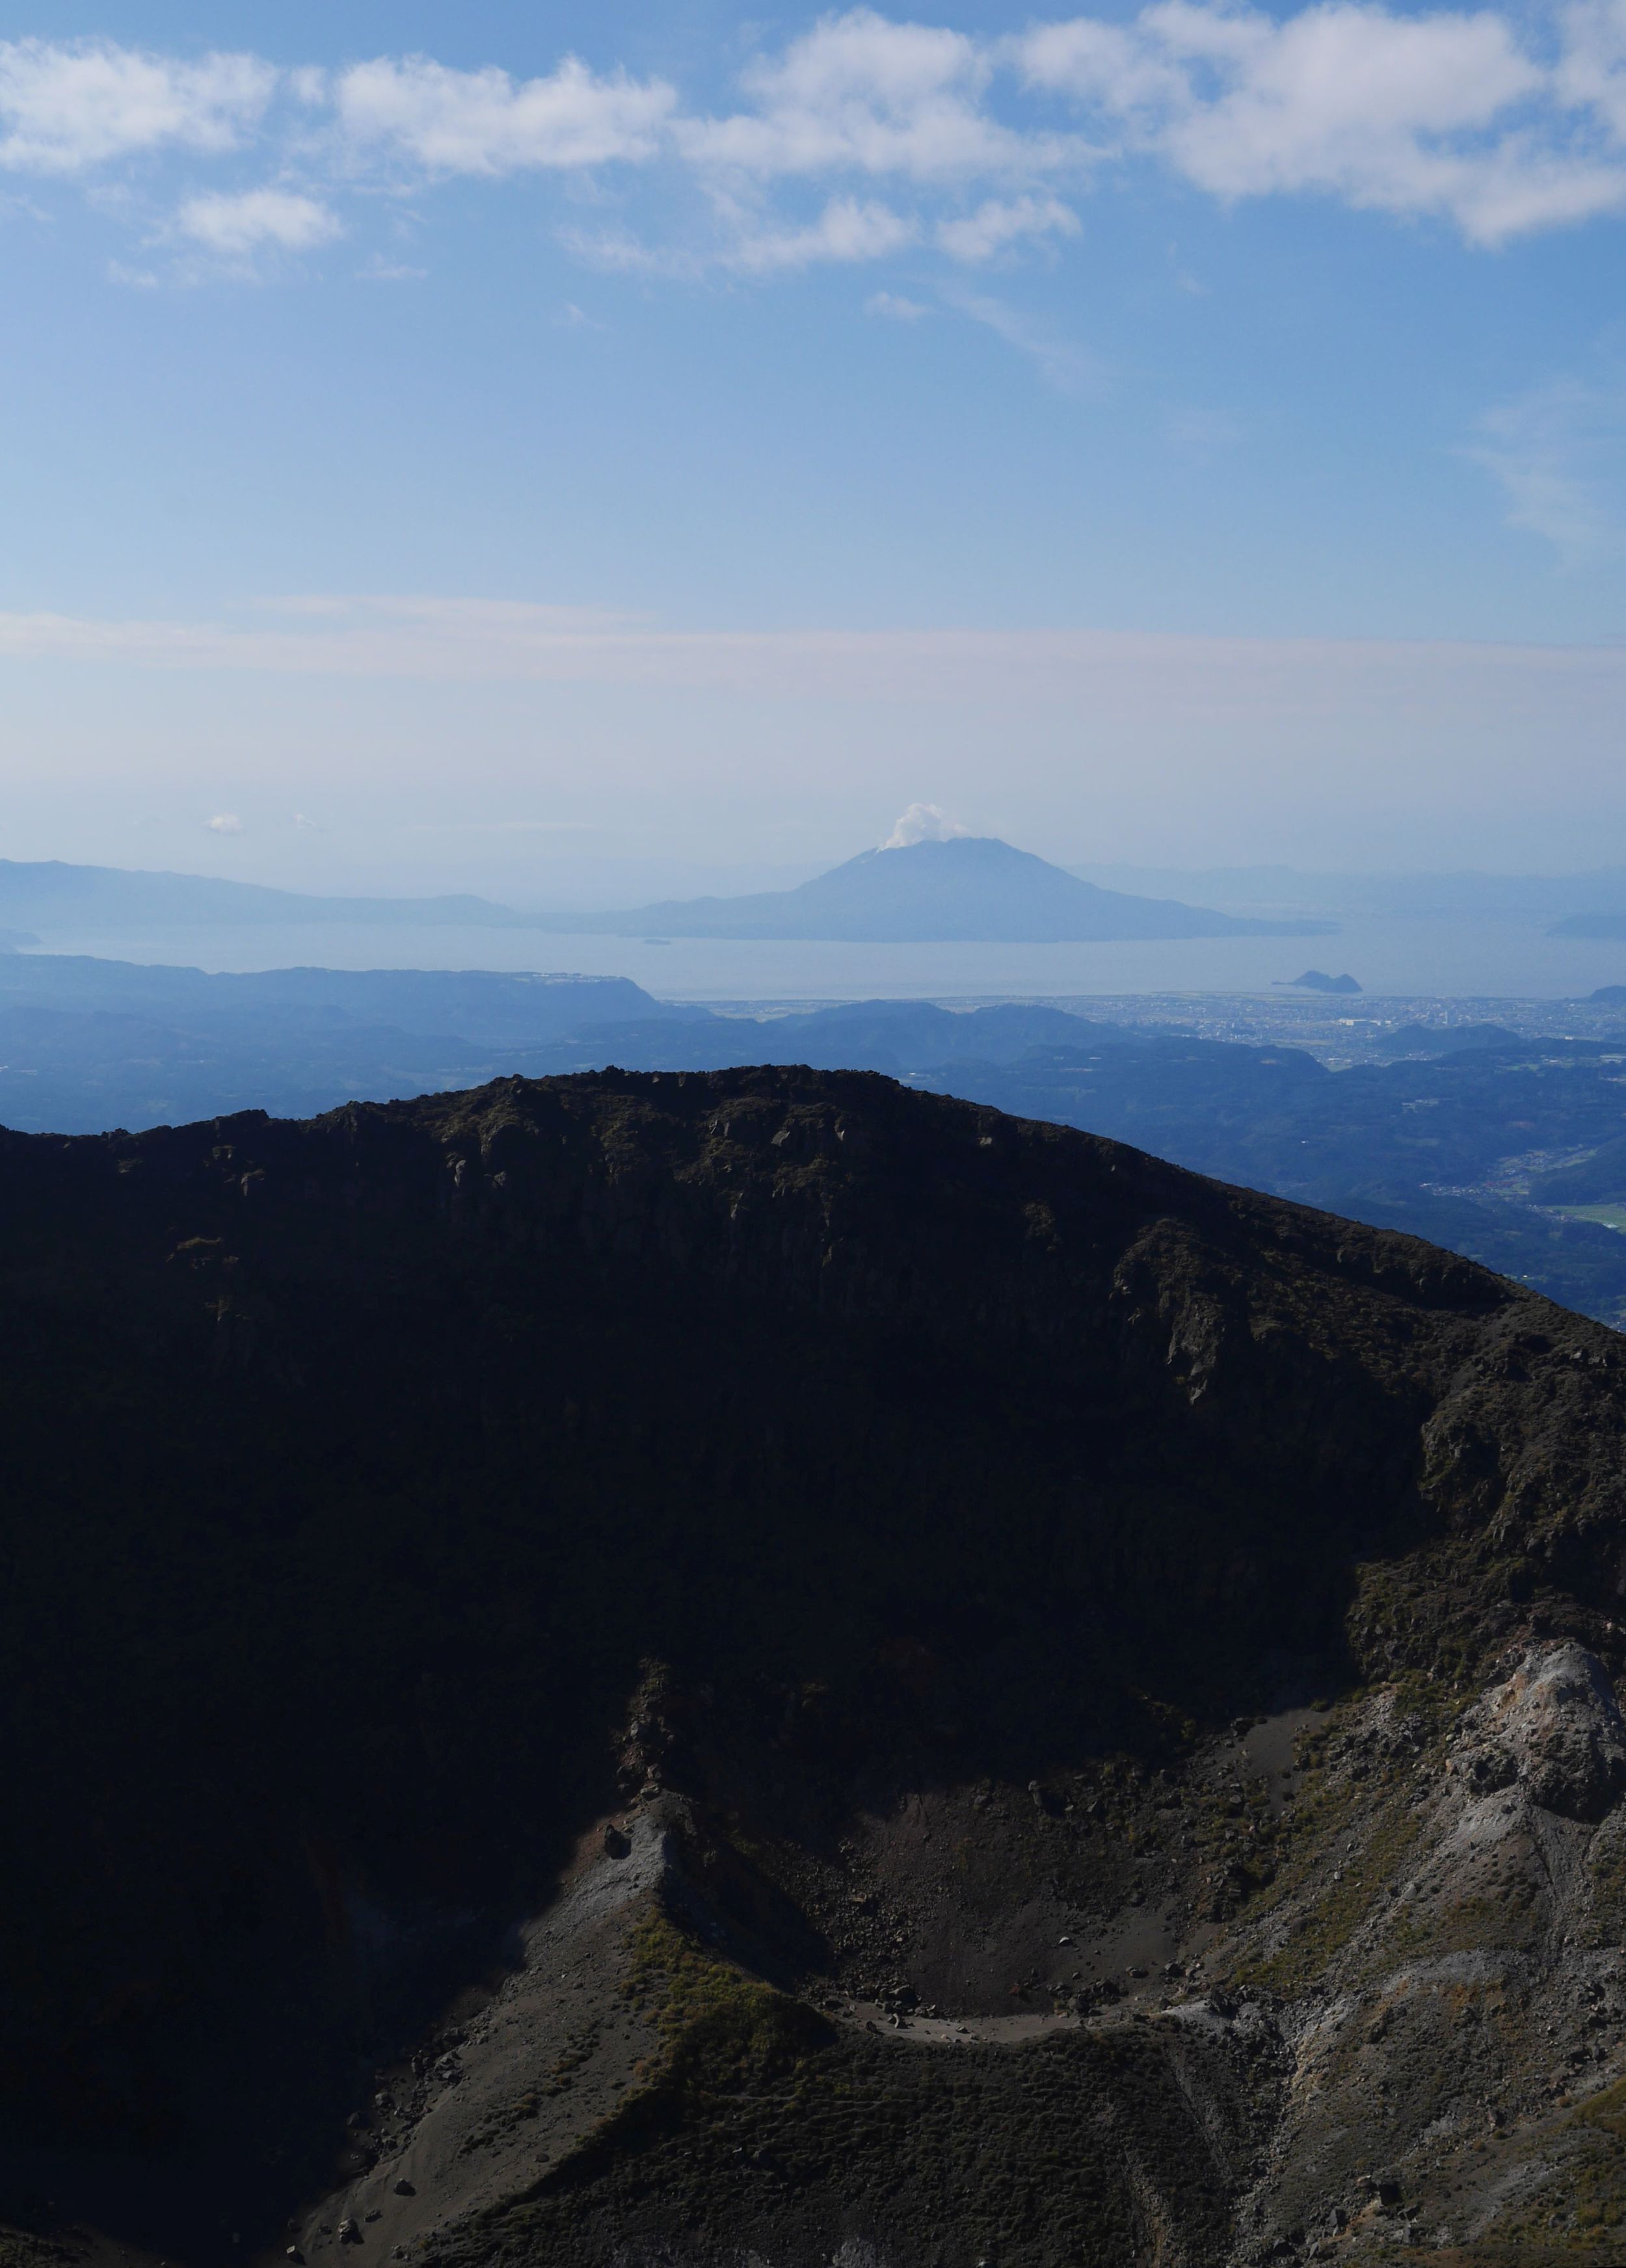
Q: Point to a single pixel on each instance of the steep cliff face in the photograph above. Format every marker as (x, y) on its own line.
(541, 1622)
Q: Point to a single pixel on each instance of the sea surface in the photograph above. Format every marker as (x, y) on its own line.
(1409, 957)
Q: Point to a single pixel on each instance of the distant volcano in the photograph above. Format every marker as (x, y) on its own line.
(972, 888)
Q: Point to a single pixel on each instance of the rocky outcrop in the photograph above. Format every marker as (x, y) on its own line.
(1554, 1728)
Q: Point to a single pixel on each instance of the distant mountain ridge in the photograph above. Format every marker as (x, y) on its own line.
(1602, 926)
(971, 889)
(1466, 895)
(47, 893)
(485, 1005)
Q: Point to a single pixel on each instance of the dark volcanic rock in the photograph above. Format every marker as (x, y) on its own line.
(916, 1534)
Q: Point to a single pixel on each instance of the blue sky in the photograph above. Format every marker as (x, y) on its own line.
(526, 446)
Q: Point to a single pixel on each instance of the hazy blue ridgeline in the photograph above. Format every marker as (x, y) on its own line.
(966, 888)
(1539, 899)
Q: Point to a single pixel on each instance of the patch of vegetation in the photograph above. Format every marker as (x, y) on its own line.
(1580, 2212)
(1606, 1865)
(1606, 2111)
(1344, 1898)
(1421, 1623)
(21, 2248)
(577, 2050)
(1607, 1216)
(719, 2028)
(1512, 1922)
(724, 2036)
(932, 2156)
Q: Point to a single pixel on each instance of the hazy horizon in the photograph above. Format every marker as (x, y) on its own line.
(590, 883)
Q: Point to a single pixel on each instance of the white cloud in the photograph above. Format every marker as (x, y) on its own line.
(65, 108)
(861, 94)
(1591, 71)
(484, 122)
(895, 307)
(256, 220)
(1430, 114)
(923, 823)
(746, 240)
(847, 230)
(622, 253)
(1115, 65)
(994, 226)
(1559, 455)
(1499, 120)
(225, 822)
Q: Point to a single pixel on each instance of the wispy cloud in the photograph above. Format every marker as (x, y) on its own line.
(495, 641)
(1000, 223)
(895, 307)
(1069, 368)
(1559, 455)
(422, 113)
(1443, 114)
(66, 107)
(225, 822)
(745, 241)
(848, 229)
(861, 94)
(450, 618)
(256, 220)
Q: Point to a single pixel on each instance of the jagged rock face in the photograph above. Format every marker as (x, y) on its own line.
(914, 1497)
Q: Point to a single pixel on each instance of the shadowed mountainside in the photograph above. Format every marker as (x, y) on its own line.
(539, 1622)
